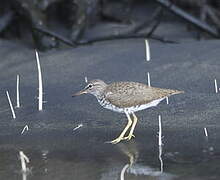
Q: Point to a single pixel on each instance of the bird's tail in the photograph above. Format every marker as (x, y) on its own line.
(176, 92)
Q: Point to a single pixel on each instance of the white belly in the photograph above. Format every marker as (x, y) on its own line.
(144, 106)
(107, 105)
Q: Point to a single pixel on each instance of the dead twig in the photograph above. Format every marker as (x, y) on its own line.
(162, 39)
(157, 14)
(55, 35)
(189, 18)
(126, 36)
(131, 33)
(211, 13)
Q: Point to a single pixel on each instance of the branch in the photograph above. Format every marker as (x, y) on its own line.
(189, 18)
(125, 36)
(55, 35)
(132, 33)
(157, 13)
(128, 34)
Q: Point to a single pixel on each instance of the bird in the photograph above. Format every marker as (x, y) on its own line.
(126, 97)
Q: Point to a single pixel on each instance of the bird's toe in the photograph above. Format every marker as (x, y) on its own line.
(129, 137)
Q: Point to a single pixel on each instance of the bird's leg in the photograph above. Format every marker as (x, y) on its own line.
(121, 136)
(132, 128)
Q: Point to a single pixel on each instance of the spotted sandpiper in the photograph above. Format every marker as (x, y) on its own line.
(126, 97)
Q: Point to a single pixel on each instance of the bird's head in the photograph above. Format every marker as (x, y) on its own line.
(95, 87)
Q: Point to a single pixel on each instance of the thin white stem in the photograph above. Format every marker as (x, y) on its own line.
(216, 86)
(86, 79)
(24, 160)
(148, 79)
(167, 99)
(160, 132)
(12, 109)
(40, 88)
(122, 175)
(18, 92)
(26, 128)
(160, 158)
(206, 132)
(147, 50)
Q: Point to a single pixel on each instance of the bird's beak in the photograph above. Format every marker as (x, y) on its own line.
(80, 93)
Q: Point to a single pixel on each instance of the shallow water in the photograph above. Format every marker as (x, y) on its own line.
(57, 152)
(83, 154)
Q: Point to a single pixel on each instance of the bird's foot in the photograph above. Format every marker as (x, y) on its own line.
(115, 141)
(129, 137)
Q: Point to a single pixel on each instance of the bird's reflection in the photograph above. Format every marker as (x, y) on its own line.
(130, 150)
(122, 175)
(134, 168)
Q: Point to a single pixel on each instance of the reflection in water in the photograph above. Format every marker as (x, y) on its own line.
(160, 144)
(160, 158)
(44, 157)
(24, 176)
(131, 151)
(62, 155)
(24, 169)
(24, 159)
(122, 176)
(139, 169)
(208, 148)
(62, 158)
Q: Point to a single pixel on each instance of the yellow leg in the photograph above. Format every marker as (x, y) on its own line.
(121, 136)
(132, 128)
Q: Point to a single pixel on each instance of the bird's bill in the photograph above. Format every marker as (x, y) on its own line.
(80, 93)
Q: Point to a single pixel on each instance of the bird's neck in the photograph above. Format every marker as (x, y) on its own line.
(99, 96)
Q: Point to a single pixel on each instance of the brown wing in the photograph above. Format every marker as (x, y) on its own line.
(127, 94)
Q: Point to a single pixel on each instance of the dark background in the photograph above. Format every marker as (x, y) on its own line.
(46, 24)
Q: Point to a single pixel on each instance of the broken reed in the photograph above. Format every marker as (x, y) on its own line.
(11, 106)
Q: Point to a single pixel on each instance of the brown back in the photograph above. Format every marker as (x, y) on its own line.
(128, 94)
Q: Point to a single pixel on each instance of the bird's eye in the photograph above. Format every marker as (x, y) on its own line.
(90, 86)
